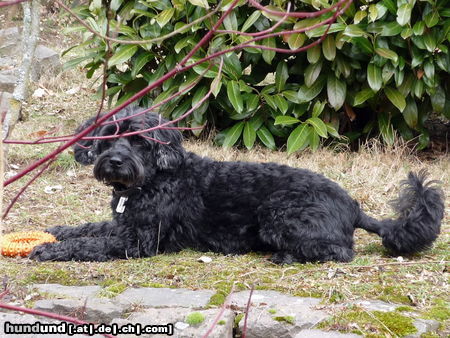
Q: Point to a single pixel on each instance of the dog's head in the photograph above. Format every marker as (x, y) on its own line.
(129, 161)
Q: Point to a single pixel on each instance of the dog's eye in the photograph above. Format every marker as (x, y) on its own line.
(136, 139)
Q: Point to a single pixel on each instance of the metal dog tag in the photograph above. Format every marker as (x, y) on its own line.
(121, 205)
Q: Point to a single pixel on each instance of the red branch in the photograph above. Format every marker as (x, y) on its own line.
(247, 310)
(10, 3)
(179, 68)
(39, 173)
(48, 315)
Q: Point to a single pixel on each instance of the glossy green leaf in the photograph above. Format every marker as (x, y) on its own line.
(329, 48)
(387, 54)
(336, 90)
(233, 134)
(281, 75)
(391, 5)
(318, 108)
(266, 137)
(314, 140)
(122, 54)
(299, 138)
(216, 84)
(281, 103)
(390, 28)
(251, 20)
(431, 19)
(373, 13)
(200, 3)
(306, 94)
(296, 40)
(354, 31)
(285, 120)
(267, 54)
(249, 136)
(312, 72)
(404, 14)
(252, 102)
(362, 96)
(374, 77)
(164, 17)
(395, 97)
(313, 54)
(291, 96)
(359, 16)
(234, 95)
(411, 113)
(318, 125)
(140, 62)
(438, 100)
(364, 44)
(419, 28)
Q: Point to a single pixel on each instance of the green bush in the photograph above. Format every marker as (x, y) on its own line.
(385, 63)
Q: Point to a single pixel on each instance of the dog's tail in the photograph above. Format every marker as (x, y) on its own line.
(420, 210)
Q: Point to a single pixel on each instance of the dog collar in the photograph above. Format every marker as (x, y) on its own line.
(127, 192)
(124, 194)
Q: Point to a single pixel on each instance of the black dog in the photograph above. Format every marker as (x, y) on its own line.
(166, 199)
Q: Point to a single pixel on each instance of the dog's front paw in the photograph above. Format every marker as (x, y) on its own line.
(51, 252)
(58, 231)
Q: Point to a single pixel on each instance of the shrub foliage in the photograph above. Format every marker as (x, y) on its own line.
(383, 67)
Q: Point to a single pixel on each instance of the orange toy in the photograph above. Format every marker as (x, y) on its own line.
(21, 243)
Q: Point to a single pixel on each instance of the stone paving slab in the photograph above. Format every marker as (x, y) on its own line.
(77, 292)
(29, 319)
(96, 310)
(177, 316)
(275, 315)
(324, 334)
(164, 297)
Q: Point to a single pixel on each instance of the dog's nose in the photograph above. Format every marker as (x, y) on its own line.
(116, 161)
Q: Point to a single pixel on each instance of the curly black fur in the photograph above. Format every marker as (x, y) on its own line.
(178, 200)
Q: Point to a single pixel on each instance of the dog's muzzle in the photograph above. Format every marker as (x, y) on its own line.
(119, 165)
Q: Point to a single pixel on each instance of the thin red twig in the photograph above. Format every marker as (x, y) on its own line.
(48, 315)
(179, 68)
(39, 173)
(10, 3)
(247, 310)
(219, 315)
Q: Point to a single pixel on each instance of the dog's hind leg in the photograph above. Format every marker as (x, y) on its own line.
(305, 233)
(99, 229)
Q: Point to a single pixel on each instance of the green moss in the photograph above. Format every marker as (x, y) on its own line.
(42, 274)
(374, 323)
(112, 288)
(308, 293)
(237, 319)
(217, 299)
(155, 285)
(272, 311)
(221, 322)
(440, 311)
(286, 319)
(393, 294)
(195, 318)
(395, 322)
(404, 308)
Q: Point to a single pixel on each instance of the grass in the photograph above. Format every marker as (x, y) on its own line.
(371, 176)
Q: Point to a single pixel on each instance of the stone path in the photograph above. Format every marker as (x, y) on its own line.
(272, 314)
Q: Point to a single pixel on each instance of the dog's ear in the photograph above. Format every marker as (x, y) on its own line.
(169, 153)
(85, 151)
(169, 156)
